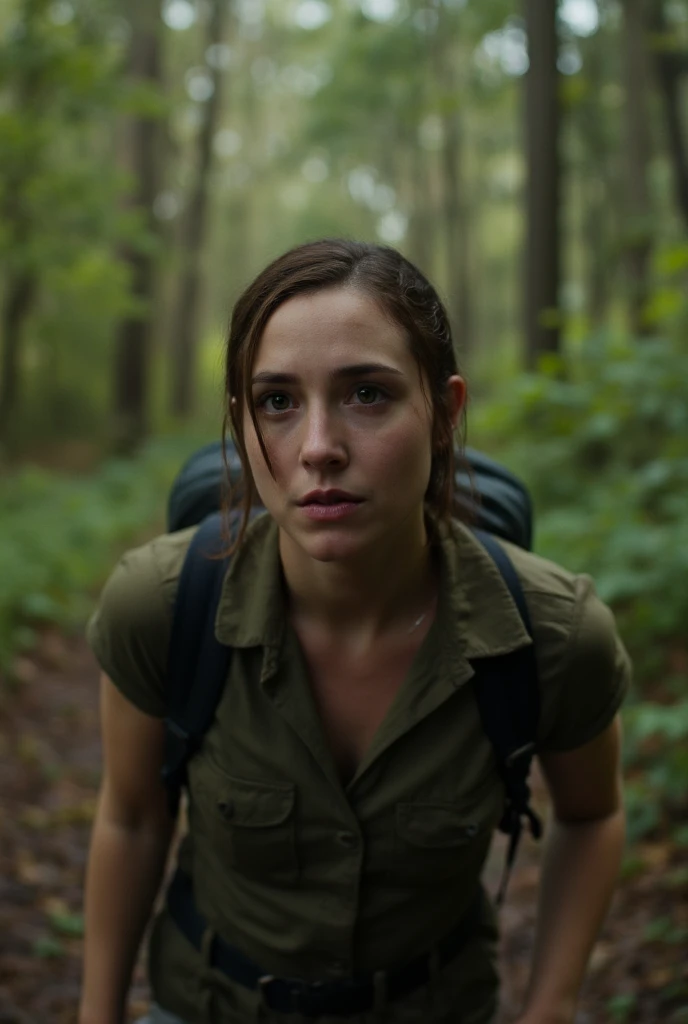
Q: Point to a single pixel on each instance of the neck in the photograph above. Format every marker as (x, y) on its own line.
(389, 587)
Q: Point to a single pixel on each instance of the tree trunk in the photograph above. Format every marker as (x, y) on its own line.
(669, 69)
(420, 226)
(456, 229)
(638, 241)
(186, 323)
(542, 314)
(133, 341)
(20, 290)
(598, 193)
(445, 59)
(21, 279)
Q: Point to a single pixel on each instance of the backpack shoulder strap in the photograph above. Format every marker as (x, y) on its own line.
(508, 697)
(197, 662)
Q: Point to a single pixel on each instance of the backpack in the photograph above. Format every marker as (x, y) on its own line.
(505, 687)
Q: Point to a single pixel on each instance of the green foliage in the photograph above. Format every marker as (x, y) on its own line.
(601, 438)
(61, 197)
(60, 534)
(656, 755)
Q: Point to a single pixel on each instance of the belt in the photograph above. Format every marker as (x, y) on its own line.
(311, 999)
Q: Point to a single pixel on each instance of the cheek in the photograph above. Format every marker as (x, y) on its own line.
(267, 483)
(403, 452)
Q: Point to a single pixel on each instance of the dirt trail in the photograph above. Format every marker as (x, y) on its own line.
(49, 764)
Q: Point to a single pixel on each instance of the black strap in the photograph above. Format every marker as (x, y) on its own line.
(311, 999)
(197, 662)
(508, 697)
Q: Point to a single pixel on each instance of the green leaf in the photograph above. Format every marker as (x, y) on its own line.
(47, 947)
(67, 924)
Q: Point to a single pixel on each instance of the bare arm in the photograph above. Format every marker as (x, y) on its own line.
(582, 860)
(129, 844)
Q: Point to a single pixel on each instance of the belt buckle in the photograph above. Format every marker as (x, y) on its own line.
(285, 995)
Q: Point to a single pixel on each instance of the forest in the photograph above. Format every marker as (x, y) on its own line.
(532, 159)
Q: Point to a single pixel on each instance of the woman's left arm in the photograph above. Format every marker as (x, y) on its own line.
(582, 858)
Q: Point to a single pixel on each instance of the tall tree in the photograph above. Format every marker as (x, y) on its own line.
(455, 221)
(140, 150)
(638, 240)
(543, 182)
(31, 65)
(671, 63)
(186, 322)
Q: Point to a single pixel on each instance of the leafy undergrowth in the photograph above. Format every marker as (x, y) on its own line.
(60, 534)
(49, 769)
(600, 436)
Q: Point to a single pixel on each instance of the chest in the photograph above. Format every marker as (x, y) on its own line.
(353, 694)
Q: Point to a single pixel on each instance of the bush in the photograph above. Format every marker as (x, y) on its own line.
(60, 535)
(602, 441)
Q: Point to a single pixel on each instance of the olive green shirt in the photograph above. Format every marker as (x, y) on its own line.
(313, 879)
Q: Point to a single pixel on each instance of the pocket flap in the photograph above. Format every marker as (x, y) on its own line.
(255, 804)
(434, 825)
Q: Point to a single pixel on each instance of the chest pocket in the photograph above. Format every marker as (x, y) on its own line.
(437, 842)
(252, 825)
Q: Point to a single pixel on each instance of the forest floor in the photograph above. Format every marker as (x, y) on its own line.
(49, 769)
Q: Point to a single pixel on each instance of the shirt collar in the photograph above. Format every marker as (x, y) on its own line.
(479, 616)
(485, 621)
(251, 611)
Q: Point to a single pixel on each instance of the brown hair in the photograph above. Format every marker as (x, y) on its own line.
(401, 291)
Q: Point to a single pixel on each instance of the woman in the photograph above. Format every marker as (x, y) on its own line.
(342, 805)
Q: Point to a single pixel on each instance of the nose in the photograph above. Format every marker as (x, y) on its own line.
(322, 442)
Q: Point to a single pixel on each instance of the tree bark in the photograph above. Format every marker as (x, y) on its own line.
(133, 341)
(669, 68)
(456, 231)
(21, 280)
(20, 290)
(453, 200)
(598, 192)
(542, 313)
(638, 242)
(186, 323)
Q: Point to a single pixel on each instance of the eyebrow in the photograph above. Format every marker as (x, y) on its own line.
(342, 372)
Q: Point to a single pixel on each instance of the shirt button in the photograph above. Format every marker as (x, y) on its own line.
(338, 967)
(347, 839)
(226, 808)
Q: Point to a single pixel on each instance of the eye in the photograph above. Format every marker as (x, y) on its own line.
(277, 401)
(368, 394)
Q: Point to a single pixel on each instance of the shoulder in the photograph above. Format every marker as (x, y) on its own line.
(583, 668)
(129, 630)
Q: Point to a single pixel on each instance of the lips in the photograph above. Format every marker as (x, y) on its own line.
(330, 497)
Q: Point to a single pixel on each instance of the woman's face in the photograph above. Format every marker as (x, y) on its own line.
(338, 398)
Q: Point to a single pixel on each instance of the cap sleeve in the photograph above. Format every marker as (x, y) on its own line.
(129, 631)
(586, 677)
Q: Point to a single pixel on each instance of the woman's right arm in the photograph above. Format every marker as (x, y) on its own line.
(131, 837)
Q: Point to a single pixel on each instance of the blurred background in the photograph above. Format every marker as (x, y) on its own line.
(531, 157)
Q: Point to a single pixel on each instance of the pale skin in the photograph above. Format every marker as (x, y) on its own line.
(355, 587)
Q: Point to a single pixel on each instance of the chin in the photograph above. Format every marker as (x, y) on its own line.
(332, 549)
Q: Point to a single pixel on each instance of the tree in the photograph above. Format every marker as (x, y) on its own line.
(671, 63)
(185, 324)
(140, 152)
(455, 221)
(31, 65)
(542, 315)
(638, 237)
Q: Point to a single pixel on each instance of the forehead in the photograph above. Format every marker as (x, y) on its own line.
(326, 327)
